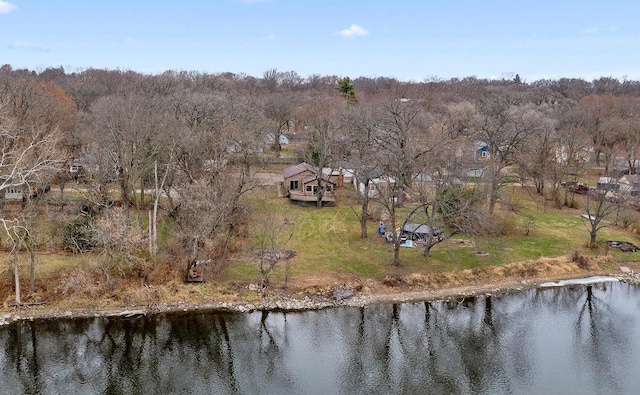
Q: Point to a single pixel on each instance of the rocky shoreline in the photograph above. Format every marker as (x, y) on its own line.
(628, 276)
(339, 297)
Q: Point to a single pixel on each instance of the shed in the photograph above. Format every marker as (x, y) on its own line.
(608, 184)
(421, 232)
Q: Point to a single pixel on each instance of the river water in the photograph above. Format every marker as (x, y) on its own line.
(575, 339)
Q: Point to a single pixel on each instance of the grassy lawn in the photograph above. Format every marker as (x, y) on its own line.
(327, 242)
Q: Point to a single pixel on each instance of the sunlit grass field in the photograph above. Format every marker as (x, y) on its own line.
(327, 241)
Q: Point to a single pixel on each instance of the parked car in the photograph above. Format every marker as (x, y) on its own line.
(575, 186)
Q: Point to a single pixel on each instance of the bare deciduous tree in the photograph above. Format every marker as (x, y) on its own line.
(572, 154)
(217, 157)
(130, 129)
(405, 140)
(278, 108)
(536, 160)
(27, 153)
(361, 127)
(121, 241)
(326, 145)
(503, 123)
(272, 234)
(600, 212)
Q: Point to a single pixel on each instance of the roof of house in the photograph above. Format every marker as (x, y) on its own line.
(344, 164)
(310, 178)
(302, 167)
(297, 169)
(630, 179)
(606, 180)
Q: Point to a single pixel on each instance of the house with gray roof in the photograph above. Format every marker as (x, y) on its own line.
(301, 183)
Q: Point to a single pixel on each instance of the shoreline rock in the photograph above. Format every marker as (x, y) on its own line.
(340, 297)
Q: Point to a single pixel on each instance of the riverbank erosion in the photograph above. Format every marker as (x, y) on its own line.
(319, 293)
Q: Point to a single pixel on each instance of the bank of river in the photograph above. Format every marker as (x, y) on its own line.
(342, 295)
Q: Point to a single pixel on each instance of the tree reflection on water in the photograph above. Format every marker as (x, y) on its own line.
(569, 339)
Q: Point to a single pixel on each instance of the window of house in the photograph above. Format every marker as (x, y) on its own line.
(309, 188)
(484, 154)
(293, 184)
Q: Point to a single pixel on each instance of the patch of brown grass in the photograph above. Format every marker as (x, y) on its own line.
(79, 283)
(540, 268)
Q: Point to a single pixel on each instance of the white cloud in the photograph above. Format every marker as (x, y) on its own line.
(353, 31)
(269, 37)
(6, 7)
(593, 30)
(28, 46)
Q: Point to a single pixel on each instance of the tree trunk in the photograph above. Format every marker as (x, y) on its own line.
(396, 251)
(320, 194)
(592, 238)
(225, 248)
(151, 235)
(365, 210)
(395, 237)
(142, 203)
(540, 187)
(493, 194)
(16, 275)
(427, 250)
(276, 143)
(124, 190)
(32, 271)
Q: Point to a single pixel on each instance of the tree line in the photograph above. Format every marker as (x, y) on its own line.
(184, 147)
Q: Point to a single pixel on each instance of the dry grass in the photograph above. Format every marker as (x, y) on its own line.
(541, 268)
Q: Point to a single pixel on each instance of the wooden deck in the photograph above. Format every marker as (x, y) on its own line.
(301, 197)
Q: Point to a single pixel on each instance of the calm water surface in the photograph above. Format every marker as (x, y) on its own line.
(571, 340)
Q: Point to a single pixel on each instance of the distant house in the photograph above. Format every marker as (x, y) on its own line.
(376, 185)
(629, 184)
(344, 171)
(476, 172)
(75, 167)
(14, 194)
(283, 138)
(482, 150)
(608, 184)
(421, 178)
(19, 193)
(301, 184)
(623, 165)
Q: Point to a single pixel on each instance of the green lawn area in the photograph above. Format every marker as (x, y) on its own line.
(327, 241)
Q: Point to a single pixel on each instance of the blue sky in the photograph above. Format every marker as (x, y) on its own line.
(404, 39)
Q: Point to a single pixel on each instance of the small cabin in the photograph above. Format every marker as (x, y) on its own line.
(19, 193)
(301, 183)
(14, 193)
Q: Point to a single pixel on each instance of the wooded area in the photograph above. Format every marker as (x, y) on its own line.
(153, 168)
